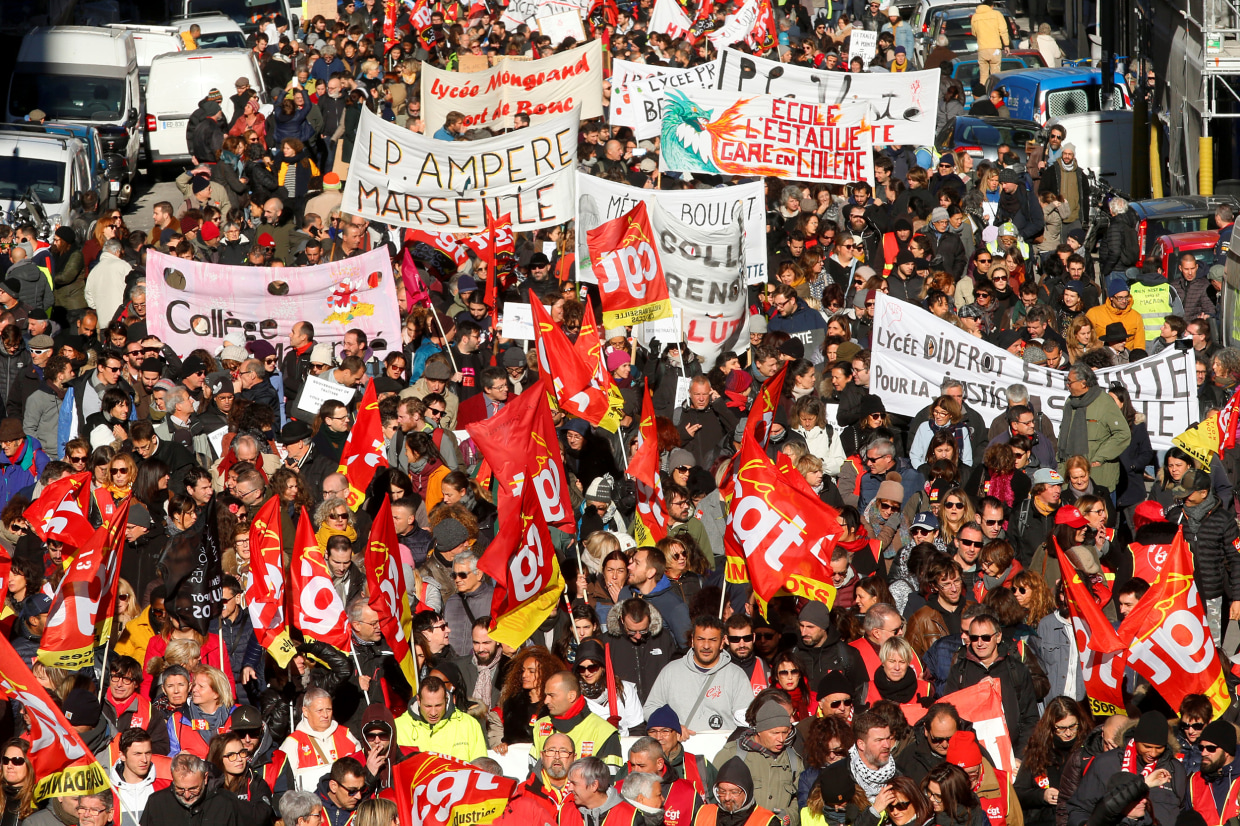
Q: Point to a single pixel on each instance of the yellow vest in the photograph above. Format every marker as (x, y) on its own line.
(588, 737)
(1153, 302)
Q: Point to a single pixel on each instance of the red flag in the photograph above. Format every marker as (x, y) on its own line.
(420, 19)
(1228, 419)
(520, 442)
(265, 596)
(764, 408)
(416, 294)
(523, 564)
(630, 276)
(702, 22)
(762, 36)
(60, 512)
(318, 611)
(390, 8)
(363, 453)
(982, 705)
(431, 790)
(388, 589)
(651, 523)
(1103, 653)
(1171, 643)
(769, 540)
(58, 758)
(80, 601)
(571, 377)
(442, 242)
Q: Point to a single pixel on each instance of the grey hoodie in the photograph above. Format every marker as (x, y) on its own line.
(720, 693)
(594, 817)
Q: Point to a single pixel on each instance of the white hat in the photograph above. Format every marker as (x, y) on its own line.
(322, 354)
(232, 352)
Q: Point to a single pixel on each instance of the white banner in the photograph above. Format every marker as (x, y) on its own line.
(410, 180)
(637, 102)
(902, 107)
(736, 26)
(913, 351)
(704, 267)
(543, 89)
(669, 18)
(599, 200)
(560, 27)
(526, 12)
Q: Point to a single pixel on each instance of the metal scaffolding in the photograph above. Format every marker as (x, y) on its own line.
(1215, 24)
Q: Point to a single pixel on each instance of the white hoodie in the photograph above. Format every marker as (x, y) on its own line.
(133, 796)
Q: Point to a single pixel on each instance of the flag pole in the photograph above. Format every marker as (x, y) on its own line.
(447, 348)
(103, 665)
(723, 592)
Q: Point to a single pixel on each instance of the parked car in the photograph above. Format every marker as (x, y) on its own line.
(216, 31)
(1165, 252)
(1043, 94)
(964, 69)
(1178, 214)
(981, 137)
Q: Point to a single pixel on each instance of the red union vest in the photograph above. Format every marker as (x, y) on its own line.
(189, 734)
(679, 803)
(693, 773)
(310, 755)
(271, 771)
(1202, 800)
(870, 657)
(709, 815)
(996, 807)
(622, 814)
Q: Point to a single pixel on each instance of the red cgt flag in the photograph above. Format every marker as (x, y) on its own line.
(431, 790)
(363, 454)
(572, 378)
(1103, 653)
(982, 704)
(630, 276)
(61, 511)
(520, 443)
(58, 757)
(1171, 643)
(389, 590)
(265, 596)
(318, 611)
(765, 407)
(777, 536)
(523, 564)
(81, 599)
(651, 523)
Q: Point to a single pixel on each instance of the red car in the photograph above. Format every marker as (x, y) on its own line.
(1166, 249)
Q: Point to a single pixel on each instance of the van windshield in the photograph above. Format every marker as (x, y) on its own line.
(240, 11)
(222, 40)
(18, 174)
(68, 97)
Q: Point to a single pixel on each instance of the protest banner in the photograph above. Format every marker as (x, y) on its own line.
(411, 180)
(600, 200)
(637, 101)
(561, 26)
(529, 12)
(668, 18)
(901, 107)
(192, 304)
(740, 134)
(704, 268)
(862, 44)
(914, 350)
(543, 89)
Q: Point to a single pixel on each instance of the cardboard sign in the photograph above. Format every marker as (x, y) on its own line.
(318, 390)
(517, 322)
(862, 44)
(561, 26)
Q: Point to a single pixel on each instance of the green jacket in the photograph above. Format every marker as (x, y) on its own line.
(69, 282)
(1109, 436)
(774, 777)
(696, 531)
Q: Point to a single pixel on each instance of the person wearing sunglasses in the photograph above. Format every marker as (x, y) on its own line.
(931, 737)
(985, 656)
(472, 598)
(822, 650)
(591, 672)
(1155, 782)
(1195, 714)
(1033, 520)
(884, 520)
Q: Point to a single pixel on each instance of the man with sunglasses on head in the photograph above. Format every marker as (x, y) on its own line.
(987, 655)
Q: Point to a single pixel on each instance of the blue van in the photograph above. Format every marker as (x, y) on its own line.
(965, 70)
(1042, 94)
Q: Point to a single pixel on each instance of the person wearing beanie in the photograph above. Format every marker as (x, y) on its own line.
(590, 668)
(987, 656)
(664, 727)
(705, 689)
(822, 650)
(1212, 791)
(1145, 754)
(838, 798)
(1117, 309)
(992, 785)
(737, 806)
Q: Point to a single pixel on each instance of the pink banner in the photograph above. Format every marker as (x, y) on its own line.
(191, 304)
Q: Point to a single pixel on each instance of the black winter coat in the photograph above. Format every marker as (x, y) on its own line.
(1136, 457)
(1216, 566)
(1119, 249)
(1070, 775)
(1028, 219)
(330, 669)
(216, 808)
(206, 140)
(835, 655)
(1166, 801)
(1020, 699)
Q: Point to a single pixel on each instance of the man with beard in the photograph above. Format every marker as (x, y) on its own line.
(1211, 791)
(482, 667)
(740, 637)
(644, 792)
(773, 765)
(734, 791)
(541, 798)
(870, 759)
(930, 739)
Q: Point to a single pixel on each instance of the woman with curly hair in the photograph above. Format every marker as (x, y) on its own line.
(1062, 728)
(998, 476)
(827, 741)
(288, 485)
(1034, 595)
(521, 698)
(950, 792)
(334, 518)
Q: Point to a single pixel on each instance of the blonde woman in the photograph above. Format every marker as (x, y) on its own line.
(209, 708)
(1082, 338)
(955, 512)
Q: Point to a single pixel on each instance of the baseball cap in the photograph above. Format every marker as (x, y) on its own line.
(1047, 476)
(926, 521)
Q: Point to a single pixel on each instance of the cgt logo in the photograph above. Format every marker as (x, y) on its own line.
(761, 529)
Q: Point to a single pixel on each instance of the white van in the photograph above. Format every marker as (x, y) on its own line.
(216, 31)
(42, 172)
(1103, 143)
(244, 13)
(79, 74)
(178, 82)
(150, 42)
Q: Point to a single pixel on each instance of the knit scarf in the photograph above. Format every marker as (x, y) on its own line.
(999, 485)
(1068, 186)
(901, 691)
(1074, 435)
(870, 780)
(957, 430)
(993, 582)
(26, 459)
(1129, 763)
(326, 532)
